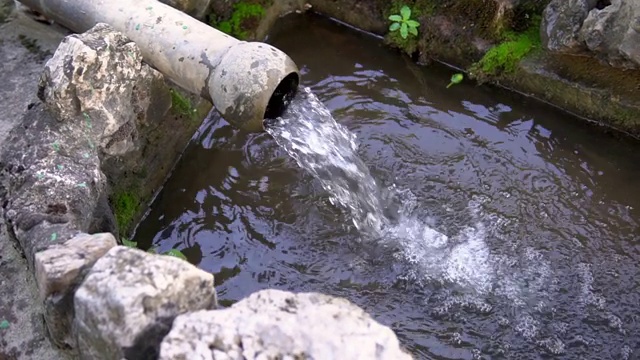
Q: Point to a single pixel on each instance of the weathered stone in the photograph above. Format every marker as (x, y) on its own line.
(51, 183)
(273, 324)
(59, 271)
(128, 301)
(25, 338)
(561, 23)
(196, 8)
(99, 77)
(612, 33)
(606, 30)
(6, 8)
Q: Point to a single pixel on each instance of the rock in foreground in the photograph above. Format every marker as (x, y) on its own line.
(273, 324)
(129, 299)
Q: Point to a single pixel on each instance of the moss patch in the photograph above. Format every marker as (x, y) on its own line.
(125, 207)
(181, 105)
(504, 57)
(244, 19)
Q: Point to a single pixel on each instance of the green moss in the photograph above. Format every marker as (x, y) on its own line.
(182, 105)
(245, 18)
(173, 252)
(128, 243)
(504, 57)
(125, 207)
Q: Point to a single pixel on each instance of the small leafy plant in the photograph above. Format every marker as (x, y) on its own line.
(455, 79)
(173, 252)
(404, 23)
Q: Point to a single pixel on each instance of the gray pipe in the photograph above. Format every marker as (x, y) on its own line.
(246, 81)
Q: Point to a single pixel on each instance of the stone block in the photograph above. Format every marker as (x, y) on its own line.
(129, 299)
(59, 271)
(274, 324)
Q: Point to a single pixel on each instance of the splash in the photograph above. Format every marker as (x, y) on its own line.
(385, 216)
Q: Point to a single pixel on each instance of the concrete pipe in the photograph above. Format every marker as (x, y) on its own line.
(247, 82)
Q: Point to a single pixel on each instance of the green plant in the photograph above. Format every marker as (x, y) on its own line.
(504, 57)
(455, 79)
(245, 17)
(182, 104)
(176, 253)
(125, 207)
(404, 23)
(128, 243)
(173, 252)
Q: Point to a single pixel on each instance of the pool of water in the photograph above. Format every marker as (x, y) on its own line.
(526, 218)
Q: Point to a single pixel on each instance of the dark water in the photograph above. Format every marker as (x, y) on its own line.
(519, 237)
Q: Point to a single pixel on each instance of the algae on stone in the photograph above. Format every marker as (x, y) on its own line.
(125, 207)
(182, 105)
(245, 18)
(504, 57)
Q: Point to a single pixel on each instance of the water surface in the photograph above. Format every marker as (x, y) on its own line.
(514, 229)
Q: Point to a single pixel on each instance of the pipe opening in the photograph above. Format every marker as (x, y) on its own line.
(282, 96)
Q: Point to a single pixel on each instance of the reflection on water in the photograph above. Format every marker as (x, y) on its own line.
(528, 218)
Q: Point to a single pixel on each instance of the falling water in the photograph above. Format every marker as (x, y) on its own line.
(385, 216)
(328, 151)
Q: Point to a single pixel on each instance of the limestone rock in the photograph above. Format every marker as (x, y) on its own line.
(59, 270)
(606, 30)
(273, 324)
(51, 184)
(98, 78)
(196, 8)
(613, 33)
(561, 23)
(129, 299)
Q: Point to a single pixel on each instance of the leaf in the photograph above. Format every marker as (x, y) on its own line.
(405, 12)
(129, 243)
(176, 253)
(152, 250)
(395, 26)
(457, 78)
(4, 324)
(413, 31)
(413, 23)
(396, 18)
(404, 31)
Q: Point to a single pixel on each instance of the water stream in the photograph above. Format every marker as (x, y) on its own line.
(475, 223)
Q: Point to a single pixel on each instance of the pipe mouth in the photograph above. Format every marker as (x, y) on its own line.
(253, 82)
(282, 97)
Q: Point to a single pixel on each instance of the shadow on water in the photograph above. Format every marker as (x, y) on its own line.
(538, 211)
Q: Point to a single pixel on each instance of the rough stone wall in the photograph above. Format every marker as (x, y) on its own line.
(606, 30)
